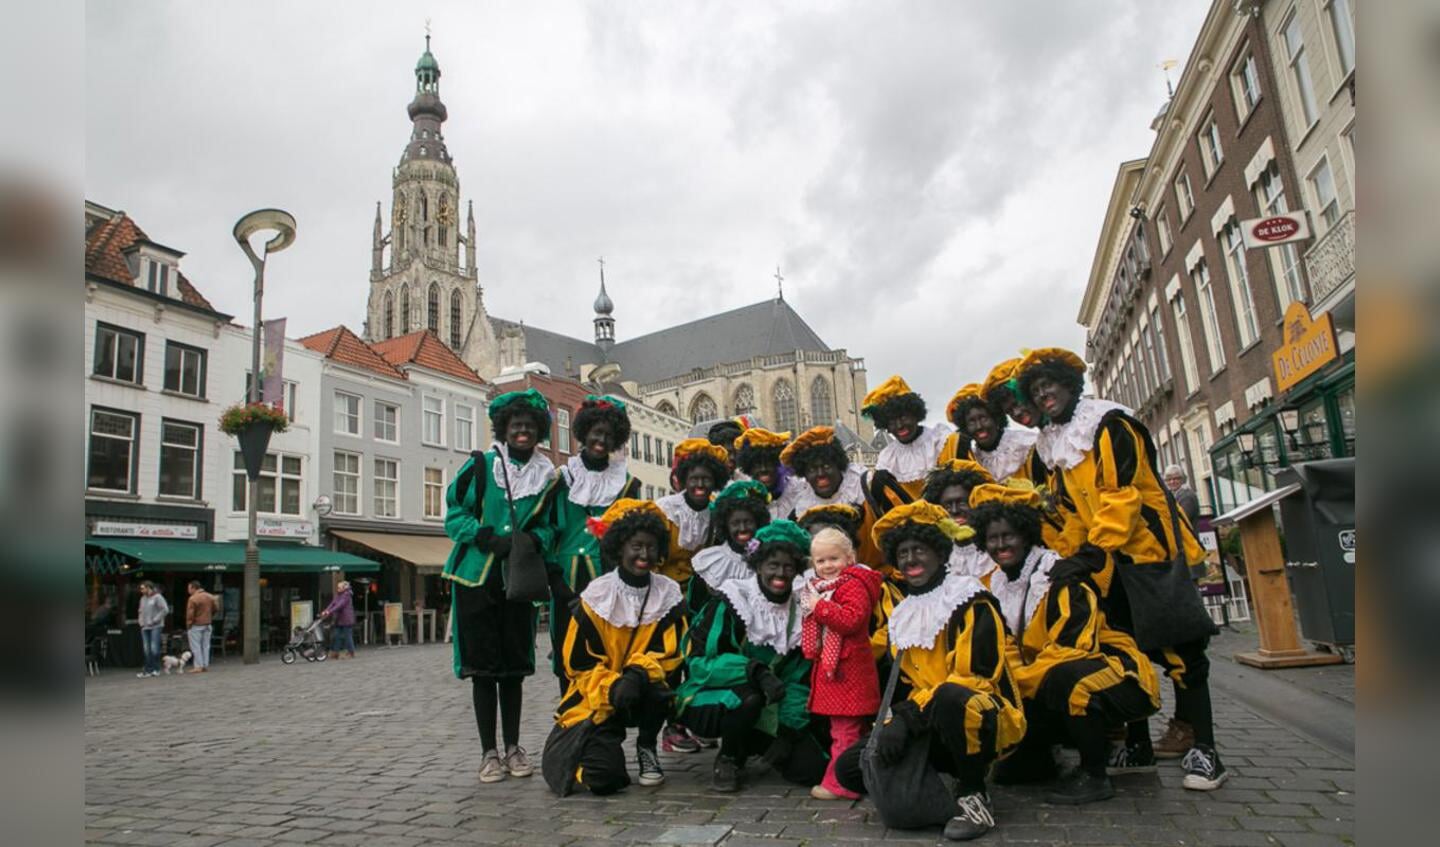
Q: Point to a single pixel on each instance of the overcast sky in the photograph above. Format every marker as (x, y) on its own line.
(930, 177)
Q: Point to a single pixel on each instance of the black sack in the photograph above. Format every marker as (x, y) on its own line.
(1165, 606)
(561, 756)
(909, 793)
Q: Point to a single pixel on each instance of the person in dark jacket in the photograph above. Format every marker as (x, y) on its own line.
(342, 611)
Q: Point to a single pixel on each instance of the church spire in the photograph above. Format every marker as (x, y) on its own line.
(604, 322)
(427, 113)
(377, 244)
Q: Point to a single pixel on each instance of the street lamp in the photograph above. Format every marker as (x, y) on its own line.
(1246, 440)
(283, 225)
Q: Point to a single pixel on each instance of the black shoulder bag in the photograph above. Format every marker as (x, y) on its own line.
(909, 793)
(525, 577)
(1165, 605)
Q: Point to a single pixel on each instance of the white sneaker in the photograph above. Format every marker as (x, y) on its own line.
(517, 762)
(142, 674)
(1203, 769)
(649, 763)
(491, 769)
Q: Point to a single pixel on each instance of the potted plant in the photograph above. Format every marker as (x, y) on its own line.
(252, 424)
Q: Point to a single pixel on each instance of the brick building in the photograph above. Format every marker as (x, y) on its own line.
(1183, 319)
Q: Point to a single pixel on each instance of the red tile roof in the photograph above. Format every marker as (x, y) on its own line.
(105, 257)
(343, 346)
(426, 350)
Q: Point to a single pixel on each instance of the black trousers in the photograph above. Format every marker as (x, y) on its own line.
(1048, 721)
(494, 636)
(805, 756)
(1187, 665)
(602, 761)
(944, 732)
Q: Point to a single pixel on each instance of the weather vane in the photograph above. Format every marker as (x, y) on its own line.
(779, 284)
(1165, 67)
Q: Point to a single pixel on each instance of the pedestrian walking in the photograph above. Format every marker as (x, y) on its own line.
(153, 611)
(342, 611)
(200, 611)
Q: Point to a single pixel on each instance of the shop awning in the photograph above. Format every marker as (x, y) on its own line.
(125, 555)
(426, 552)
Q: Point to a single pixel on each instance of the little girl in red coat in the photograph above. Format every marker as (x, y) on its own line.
(837, 602)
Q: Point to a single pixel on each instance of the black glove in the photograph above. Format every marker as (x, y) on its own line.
(627, 690)
(891, 738)
(500, 545)
(770, 685)
(1088, 560)
(886, 491)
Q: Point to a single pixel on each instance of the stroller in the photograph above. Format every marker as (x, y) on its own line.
(305, 642)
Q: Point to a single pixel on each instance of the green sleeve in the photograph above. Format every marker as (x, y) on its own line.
(461, 523)
(713, 656)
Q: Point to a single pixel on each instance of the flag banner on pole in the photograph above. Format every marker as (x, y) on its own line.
(272, 363)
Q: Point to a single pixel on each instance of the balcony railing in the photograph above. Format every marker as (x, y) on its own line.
(1331, 262)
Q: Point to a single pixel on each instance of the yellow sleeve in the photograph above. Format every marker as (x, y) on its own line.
(1117, 508)
(977, 659)
(583, 657)
(659, 655)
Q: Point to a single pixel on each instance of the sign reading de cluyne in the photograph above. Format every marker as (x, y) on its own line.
(1309, 346)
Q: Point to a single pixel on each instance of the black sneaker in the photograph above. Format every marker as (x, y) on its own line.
(1203, 769)
(974, 818)
(1079, 787)
(1130, 758)
(726, 777)
(649, 762)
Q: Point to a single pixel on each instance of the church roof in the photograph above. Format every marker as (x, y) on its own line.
(425, 349)
(767, 328)
(343, 346)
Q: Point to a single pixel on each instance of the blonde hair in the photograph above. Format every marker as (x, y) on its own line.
(832, 538)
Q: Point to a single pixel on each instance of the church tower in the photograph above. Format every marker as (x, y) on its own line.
(424, 285)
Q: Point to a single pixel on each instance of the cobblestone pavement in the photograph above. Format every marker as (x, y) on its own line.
(382, 750)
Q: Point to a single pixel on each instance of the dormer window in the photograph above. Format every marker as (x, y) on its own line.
(154, 267)
(157, 278)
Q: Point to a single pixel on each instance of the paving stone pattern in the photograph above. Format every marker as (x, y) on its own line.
(382, 750)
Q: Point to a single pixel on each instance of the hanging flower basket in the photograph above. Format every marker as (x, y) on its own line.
(252, 424)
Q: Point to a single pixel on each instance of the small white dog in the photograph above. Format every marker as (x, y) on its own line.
(175, 664)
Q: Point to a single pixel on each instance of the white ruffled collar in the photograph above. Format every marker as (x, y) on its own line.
(850, 493)
(769, 624)
(1029, 587)
(595, 488)
(911, 462)
(1009, 455)
(619, 604)
(719, 564)
(1066, 445)
(694, 526)
(525, 480)
(969, 560)
(918, 618)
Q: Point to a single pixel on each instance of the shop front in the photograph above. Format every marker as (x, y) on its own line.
(290, 574)
(410, 566)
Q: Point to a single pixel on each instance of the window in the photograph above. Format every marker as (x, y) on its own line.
(432, 309)
(1270, 197)
(786, 410)
(158, 279)
(1187, 344)
(1162, 360)
(1209, 317)
(387, 422)
(822, 406)
(1162, 230)
(389, 316)
(347, 413)
(649, 492)
(184, 369)
(1300, 70)
(433, 430)
(347, 484)
(387, 483)
(562, 430)
(666, 408)
(404, 310)
(456, 312)
(277, 489)
(702, 408)
(649, 456)
(744, 400)
(1245, 85)
(635, 446)
(1144, 367)
(1342, 22)
(465, 427)
(1322, 180)
(434, 493)
(1240, 295)
(1184, 197)
(180, 459)
(1211, 152)
(114, 449)
(669, 453)
(119, 354)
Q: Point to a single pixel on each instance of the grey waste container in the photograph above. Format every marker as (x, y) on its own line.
(1319, 522)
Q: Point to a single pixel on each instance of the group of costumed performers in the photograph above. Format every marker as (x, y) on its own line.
(760, 606)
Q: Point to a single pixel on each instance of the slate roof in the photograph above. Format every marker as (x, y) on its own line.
(343, 346)
(425, 349)
(766, 328)
(105, 246)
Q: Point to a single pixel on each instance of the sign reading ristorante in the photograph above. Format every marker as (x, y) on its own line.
(1309, 346)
